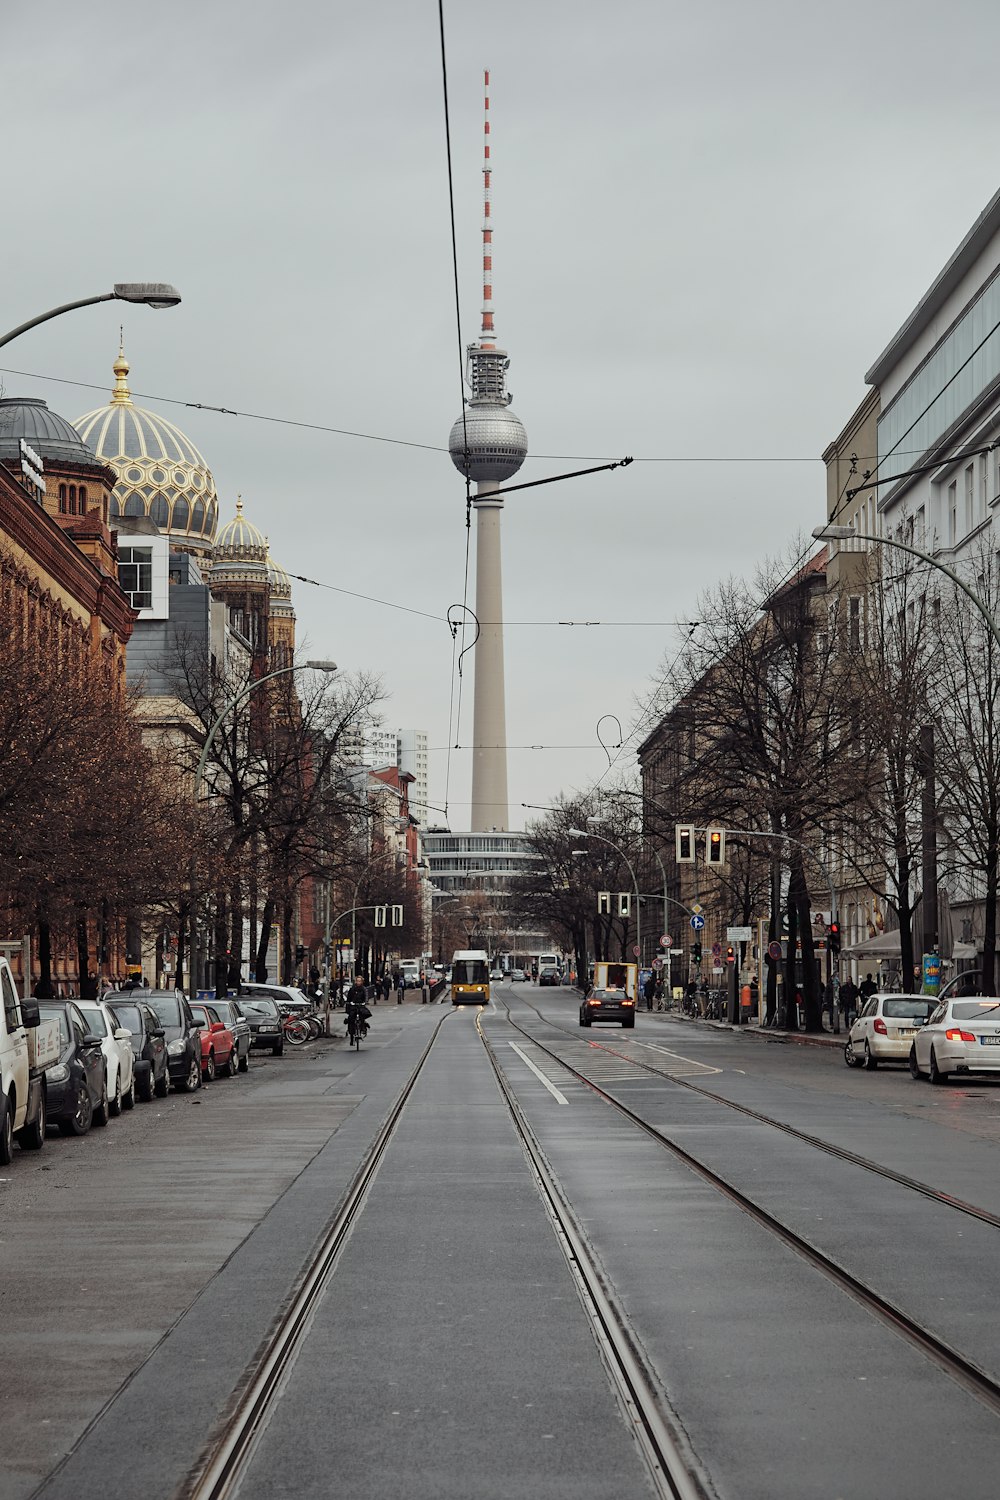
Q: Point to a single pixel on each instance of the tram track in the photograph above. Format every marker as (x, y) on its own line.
(840, 1153)
(228, 1453)
(962, 1370)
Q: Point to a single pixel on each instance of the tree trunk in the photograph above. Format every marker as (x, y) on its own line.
(44, 989)
(990, 916)
(221, 965)
(771, 967)
(88, 979)
(182, 928)
(234, 971)
(287, 956)
(266, 918)
(790, 1014)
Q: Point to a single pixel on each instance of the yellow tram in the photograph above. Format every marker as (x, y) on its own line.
(470, 977)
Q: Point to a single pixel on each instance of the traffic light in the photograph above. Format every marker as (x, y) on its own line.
(604, 903)
(684, 837)
(730, 954)
(397, 916)
(833, 938)
(380, 916)
(696, 951)
(300, 954)
(715, 846)
(624, 904)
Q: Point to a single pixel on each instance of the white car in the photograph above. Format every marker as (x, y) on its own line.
(116, 1044)
(885, 1029)
(962, 1036)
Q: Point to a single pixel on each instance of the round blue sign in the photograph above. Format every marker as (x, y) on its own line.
(697, 923)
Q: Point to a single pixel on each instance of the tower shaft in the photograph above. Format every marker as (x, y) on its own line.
(489, 727)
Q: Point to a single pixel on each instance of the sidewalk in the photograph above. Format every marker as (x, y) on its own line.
(758, 1032)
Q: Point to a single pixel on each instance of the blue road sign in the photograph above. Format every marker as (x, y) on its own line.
(697, 923)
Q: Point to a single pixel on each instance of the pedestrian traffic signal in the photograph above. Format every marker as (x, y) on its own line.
(730, 954)
(380, 916)
(684, 837)
(604, 903)
(715, 846)
(624, 904)
(300, 954)
(397, 916)
(696, 951)
(833, 938)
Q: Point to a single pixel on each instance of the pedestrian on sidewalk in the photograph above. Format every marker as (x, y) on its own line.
(848, 1002)
(867, 988)
(827, 1003)
(386, 986)
(400, 987)
(649, 990)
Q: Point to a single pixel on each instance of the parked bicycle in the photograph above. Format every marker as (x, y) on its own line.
(294, 1028)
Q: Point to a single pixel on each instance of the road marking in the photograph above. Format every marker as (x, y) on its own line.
(677, 1056)
(559, 1098)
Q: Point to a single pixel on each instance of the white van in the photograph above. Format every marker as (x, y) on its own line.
(410, 970)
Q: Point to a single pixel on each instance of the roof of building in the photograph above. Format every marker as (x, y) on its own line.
(49, 434)
(978, 237)
(161, 473)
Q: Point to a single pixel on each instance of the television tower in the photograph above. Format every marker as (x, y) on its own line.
(489, 445)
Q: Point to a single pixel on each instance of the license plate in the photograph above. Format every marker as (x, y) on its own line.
(990, 1041)
(906, 1031)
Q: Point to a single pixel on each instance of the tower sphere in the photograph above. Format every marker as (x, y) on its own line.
(497, 442)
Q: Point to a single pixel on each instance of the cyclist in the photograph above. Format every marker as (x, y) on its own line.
(357, 1009)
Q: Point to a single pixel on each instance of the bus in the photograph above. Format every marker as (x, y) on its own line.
(470, 977)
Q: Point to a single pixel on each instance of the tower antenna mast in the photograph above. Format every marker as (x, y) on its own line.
(487, 336)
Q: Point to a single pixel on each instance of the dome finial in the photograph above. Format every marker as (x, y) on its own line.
(121, 395)
(239, 505)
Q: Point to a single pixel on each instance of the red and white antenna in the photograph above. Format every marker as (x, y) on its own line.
(487, 335)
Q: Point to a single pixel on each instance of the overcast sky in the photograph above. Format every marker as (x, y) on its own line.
(710, 217)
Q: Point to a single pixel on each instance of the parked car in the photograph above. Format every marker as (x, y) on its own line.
(962, 1036)
(149, 1050)
(76, 1087)
(608, 1005)
(181, 1034)
(885, 1029)
(27, 1047)
(287, 995)
(231, 1012)
(549, 976)
(116, 1044)
(218, 1044)
(264, 1019)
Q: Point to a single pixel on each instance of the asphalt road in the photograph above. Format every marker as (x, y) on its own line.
(450, 1354)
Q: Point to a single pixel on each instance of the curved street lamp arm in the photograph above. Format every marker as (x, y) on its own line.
(55, 312)
(980, 604)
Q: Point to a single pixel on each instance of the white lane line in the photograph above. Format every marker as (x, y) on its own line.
(559, 1098)
(691, 1061)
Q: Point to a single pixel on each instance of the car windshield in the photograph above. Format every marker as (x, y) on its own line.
(908, 1008)
(975, 1010)
(168, 1008)
(128, 1015)
(56, 1013)
(261, 1005)
(95, 1020)
(609, 994)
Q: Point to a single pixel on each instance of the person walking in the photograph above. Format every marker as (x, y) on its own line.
(848, 1002)
(649, 990)
(386, 986)
(400, 987)
(867, 988)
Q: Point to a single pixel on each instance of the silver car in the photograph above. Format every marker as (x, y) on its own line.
(885, 1029)
(962, 1036)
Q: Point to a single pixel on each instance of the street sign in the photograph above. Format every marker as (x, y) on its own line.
(697, 909)
(716, 968)
(739, 934)
(774, 951)
(716, 950)
(697, 922)
(666, 940)
(657, 963)
(635, 949)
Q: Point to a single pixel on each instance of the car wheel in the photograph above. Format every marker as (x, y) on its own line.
(871, 1061)
(208, 1068)
(191, 1079)
(245, 1063)
(628, 1024)
(278, 1049)
(115, 1105)
(849, 1056)
(6, 1133)
(144, 1083)
(232, 1064)
(161, 1085)
(936, 1075)
(103, 1110)
(128, 1098)
(32, 1137)
(914, 1067)
(80, 1121)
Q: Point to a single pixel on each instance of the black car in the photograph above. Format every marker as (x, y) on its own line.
(608, 1005)
(231, 1011)
(548, 976)
(264, 1019)
(76, 1087)
(181, 1033)
(152, 1075)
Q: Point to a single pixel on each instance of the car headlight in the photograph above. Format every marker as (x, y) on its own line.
(176, 1047)
(58, 1073)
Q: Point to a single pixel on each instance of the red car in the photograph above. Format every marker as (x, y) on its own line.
(218, 1044)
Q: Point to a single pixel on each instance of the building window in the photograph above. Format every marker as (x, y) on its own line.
(854, 623)
(83, 499)
(970, 500)
(72, 499)
(62, 499)
(952, 513)
(135, 574)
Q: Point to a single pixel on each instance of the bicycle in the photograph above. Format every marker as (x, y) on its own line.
(357, 1027)
(295, 1030)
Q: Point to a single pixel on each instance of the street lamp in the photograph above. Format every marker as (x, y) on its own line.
(583, 833)
(230, 703)
(156, 294)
